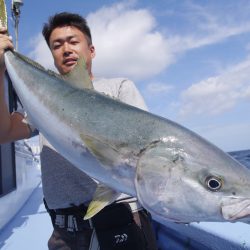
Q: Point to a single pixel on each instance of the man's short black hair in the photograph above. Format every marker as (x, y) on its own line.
(66, 19)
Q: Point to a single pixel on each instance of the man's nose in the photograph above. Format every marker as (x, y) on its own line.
(66, 49)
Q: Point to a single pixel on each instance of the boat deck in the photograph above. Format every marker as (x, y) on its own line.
(30, 228)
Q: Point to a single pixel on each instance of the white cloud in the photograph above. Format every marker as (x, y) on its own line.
(217, 94)
(158, 88)
(41, 52)
(181, 44)
(247, 92)
(206, 24)
(127, 42)
(218, 34)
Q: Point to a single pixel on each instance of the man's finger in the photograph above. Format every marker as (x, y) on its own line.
(3, 30)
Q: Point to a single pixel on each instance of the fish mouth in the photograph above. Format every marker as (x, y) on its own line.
(236, 208)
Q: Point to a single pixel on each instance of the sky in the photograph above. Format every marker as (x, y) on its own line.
(190, 59)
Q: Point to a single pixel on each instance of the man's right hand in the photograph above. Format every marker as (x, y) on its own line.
(12, 127)
(5, 43)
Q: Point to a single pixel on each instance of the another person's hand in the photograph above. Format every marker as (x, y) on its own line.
(5, 43)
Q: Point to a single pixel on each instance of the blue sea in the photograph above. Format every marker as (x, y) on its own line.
(242, 156)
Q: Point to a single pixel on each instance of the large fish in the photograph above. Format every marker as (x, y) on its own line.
(174, 173)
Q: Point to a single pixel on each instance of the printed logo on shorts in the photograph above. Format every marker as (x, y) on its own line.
(121, 238)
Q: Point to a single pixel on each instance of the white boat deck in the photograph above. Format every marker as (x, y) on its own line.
(30, 228)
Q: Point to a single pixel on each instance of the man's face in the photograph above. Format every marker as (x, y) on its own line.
(67, 44)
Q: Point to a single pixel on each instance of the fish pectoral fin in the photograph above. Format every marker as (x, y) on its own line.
(79, 77)
(103, 197)
(104, 152)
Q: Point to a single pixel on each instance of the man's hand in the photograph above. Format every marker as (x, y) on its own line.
(5, 43)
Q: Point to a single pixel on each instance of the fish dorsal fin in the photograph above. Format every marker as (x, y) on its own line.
(103, 197)
(78, 77)
(106, 153)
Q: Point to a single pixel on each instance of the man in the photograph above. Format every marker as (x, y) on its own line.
(67, 190)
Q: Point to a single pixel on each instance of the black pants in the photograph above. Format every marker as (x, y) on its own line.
(61, 239)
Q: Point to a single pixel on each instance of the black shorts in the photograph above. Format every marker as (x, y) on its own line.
(116, 228)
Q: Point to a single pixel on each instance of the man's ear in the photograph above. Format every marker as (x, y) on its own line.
(92, 51)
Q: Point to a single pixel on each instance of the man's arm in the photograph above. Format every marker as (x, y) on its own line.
(11, 125)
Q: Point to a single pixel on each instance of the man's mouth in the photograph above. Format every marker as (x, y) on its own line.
(70, 61)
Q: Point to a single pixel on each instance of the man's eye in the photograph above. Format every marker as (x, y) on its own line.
(56, 46)
(74, 42)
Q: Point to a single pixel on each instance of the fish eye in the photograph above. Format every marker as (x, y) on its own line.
(213, 183)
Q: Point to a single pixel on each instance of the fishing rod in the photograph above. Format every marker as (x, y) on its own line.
(16, 12)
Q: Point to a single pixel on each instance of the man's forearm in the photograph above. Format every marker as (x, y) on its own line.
(5, 123)
(12, 127)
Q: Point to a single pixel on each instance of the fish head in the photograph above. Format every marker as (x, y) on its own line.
(192, 181)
